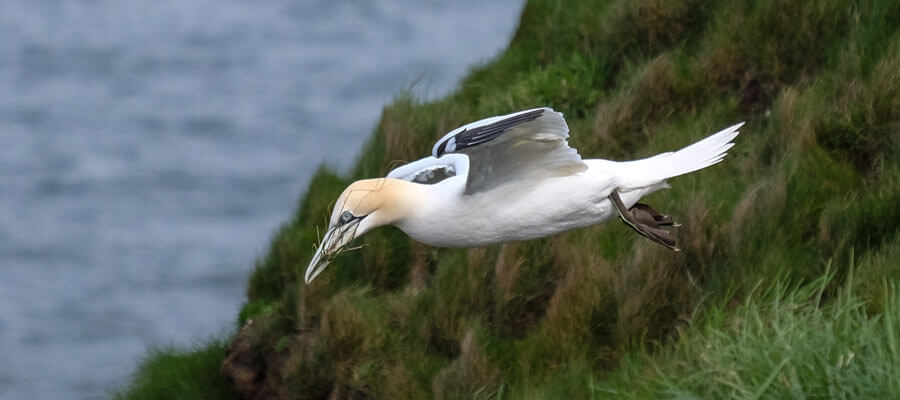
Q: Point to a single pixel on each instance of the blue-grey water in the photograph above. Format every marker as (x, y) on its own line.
(150, 149)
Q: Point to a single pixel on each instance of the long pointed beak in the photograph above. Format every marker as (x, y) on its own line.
(320, 259)
(335, 239)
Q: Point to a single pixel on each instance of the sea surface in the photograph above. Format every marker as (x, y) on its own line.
(150, 149)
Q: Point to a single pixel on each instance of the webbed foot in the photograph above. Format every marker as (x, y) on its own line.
(645, 221)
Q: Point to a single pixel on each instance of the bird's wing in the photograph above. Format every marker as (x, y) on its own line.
(528, 145)
(431, 170)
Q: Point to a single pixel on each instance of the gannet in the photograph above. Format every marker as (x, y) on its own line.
(511, 178)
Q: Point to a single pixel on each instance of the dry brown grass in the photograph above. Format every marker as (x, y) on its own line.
(468, 375)
(627, 121)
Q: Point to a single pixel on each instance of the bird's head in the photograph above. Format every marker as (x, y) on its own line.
(364, 205)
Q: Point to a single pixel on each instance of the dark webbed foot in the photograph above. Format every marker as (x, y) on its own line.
(645, 221)
(659, 219)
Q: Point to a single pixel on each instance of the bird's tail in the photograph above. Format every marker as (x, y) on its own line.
(656, 169)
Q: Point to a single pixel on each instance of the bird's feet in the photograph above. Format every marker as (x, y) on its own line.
(645, 221)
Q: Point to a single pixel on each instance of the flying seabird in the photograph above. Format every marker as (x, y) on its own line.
(511, 178)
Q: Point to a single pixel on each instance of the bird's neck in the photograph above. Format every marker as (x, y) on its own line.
(401, 200)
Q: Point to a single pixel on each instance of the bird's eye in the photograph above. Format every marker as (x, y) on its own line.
(346, 216)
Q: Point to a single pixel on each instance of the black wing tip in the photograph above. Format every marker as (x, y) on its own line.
(440, 149)
(498, 128)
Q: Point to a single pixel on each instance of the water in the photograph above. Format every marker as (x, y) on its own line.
(149, 150)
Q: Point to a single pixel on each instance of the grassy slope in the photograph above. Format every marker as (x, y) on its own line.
(181, 374)
(813, 182)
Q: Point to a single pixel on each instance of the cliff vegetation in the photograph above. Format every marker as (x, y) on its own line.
(787, 282)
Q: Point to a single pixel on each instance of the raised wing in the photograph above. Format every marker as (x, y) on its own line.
(431, 170)
(483, 131)
(527, 145)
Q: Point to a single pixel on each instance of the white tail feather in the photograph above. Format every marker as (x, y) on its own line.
(656, 169)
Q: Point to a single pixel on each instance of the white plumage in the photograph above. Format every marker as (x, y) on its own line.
(509, 178)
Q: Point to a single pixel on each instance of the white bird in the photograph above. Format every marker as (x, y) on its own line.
(510, 178)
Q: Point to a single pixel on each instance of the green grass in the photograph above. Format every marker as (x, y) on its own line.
(780, 342)
(186, 374)
(812, 183)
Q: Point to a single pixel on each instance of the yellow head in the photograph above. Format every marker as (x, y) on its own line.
(364, 205)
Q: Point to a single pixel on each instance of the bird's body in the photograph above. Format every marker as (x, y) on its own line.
(511, 178)
(515, 211)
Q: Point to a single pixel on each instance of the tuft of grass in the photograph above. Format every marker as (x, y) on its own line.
(876, 268)
(780, 342)
(180, 374)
